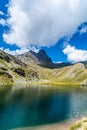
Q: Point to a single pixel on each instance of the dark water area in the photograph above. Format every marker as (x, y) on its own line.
(32, 106)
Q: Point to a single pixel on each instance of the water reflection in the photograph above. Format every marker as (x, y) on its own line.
(24, 107)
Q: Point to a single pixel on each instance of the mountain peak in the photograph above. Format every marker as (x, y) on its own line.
(42, 52)
(41, 58)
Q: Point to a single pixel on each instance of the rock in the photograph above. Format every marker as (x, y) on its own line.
(32, 75)
(84, 83)
(19, 71)
(2, 73)
(41, 59)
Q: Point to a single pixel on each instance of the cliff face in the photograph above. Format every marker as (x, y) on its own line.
(39, 58)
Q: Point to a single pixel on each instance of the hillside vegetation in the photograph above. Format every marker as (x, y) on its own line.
(14, 70)
(80, 125)
(75, 74)
(26, 69)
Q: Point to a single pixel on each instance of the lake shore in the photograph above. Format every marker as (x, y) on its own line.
(64, 125)
(45, 83)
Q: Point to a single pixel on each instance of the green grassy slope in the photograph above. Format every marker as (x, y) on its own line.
(14, 70)
(75, 74)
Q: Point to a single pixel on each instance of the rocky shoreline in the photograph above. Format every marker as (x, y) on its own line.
(74, 124)
(65, 125)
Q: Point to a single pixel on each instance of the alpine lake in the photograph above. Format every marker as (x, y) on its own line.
(30, 106)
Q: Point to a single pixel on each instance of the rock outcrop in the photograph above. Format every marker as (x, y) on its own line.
(41, 59)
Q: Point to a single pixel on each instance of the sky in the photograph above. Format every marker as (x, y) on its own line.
(57, 26)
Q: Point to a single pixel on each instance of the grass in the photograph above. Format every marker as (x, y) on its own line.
(57, 84)
(71, 75)
(76, 126)
(80, 124)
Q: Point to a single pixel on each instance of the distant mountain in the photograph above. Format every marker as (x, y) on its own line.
(85, 63)
(41, 59)
(38, 67)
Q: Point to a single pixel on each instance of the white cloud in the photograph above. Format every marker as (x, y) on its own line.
(1, 13)
(75, 55)
(43, 22)
(35, 49)
(58, 62)
(19, 51)
(83, 30)
(2, 22)
(15, 52)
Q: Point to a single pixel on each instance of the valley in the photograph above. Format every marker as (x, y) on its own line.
(39, 68)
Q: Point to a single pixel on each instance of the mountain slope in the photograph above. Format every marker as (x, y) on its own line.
(75, 74)
(14, 70)
(41, 59)
(85, 63)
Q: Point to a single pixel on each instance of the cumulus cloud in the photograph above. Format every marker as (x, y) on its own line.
(75, 55)
(83, 30)
(2, 22)
(1, 13)
(43, 22)
(14, 52)
(19, 51)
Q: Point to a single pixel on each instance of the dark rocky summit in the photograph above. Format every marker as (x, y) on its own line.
(41, 59)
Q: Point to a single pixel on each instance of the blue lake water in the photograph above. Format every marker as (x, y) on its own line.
(33, 106)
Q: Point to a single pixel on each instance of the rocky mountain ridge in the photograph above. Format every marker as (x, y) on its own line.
(31, 67)
(14, 70)
(41, 59)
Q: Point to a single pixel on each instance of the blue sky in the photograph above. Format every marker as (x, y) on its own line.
(55, 52)
(58, 27)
